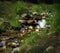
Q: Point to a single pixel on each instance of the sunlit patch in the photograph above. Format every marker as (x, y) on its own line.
(22, 21)
(13, 43)
(4, 47)
(52, 15)
(23, 31)
(22, 40)
(43, 13)
(37, 30)
(23, 15)
(43, 17)
(30, 27)
(21, 35)
(34, 13)
(29, 30)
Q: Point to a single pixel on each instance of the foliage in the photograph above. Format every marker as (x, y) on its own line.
(35, 42)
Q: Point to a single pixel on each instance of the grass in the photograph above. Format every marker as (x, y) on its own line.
(35, 40)
(13, 9)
